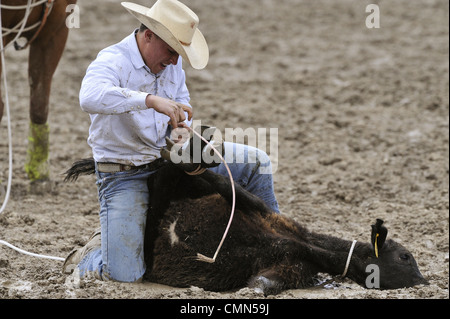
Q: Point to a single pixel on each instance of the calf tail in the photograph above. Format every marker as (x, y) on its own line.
(82, 167)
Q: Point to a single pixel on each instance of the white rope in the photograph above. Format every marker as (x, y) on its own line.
(350, 253)
(22, 24)
(22, 7)
(15, 30)
(201, 257)
(8, 118)
(20, 27)
(28, 253)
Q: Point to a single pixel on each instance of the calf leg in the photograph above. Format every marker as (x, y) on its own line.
(245, 200)
(273, 280)
(267, 282)
(210, 182)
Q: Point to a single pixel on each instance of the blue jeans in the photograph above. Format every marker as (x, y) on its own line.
(124, 201)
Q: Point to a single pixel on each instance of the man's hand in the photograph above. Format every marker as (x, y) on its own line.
(172, 109)
(194, 153)
(175, 155)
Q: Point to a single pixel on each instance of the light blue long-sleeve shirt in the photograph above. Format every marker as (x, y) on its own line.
(113, 92)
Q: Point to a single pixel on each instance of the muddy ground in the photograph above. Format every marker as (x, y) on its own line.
(363, 132)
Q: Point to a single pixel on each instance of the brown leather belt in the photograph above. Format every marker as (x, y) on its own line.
(116, 168)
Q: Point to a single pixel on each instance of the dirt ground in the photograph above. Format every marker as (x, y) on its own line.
(363, 132)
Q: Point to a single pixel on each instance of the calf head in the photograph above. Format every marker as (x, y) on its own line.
(397, 266)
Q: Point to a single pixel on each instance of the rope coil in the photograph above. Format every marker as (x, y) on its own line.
(20, 27)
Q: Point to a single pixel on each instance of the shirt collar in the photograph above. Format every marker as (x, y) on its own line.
(135, 54)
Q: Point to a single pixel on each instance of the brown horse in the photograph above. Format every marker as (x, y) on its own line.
(45, 32)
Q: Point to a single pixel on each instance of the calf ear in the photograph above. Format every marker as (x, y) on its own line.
(379, 233)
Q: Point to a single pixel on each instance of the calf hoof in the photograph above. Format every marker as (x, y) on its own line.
(265, 285)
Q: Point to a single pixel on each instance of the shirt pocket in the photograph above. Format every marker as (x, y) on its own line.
(169, 88)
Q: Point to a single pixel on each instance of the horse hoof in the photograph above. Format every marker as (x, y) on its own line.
(40, 187)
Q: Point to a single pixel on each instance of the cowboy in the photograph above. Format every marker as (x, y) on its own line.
(135, 93)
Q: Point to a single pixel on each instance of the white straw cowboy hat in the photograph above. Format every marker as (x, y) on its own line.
(177, 25)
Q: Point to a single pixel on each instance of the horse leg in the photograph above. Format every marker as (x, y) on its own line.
(45, 53)
(1, 101)
(2, 190)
